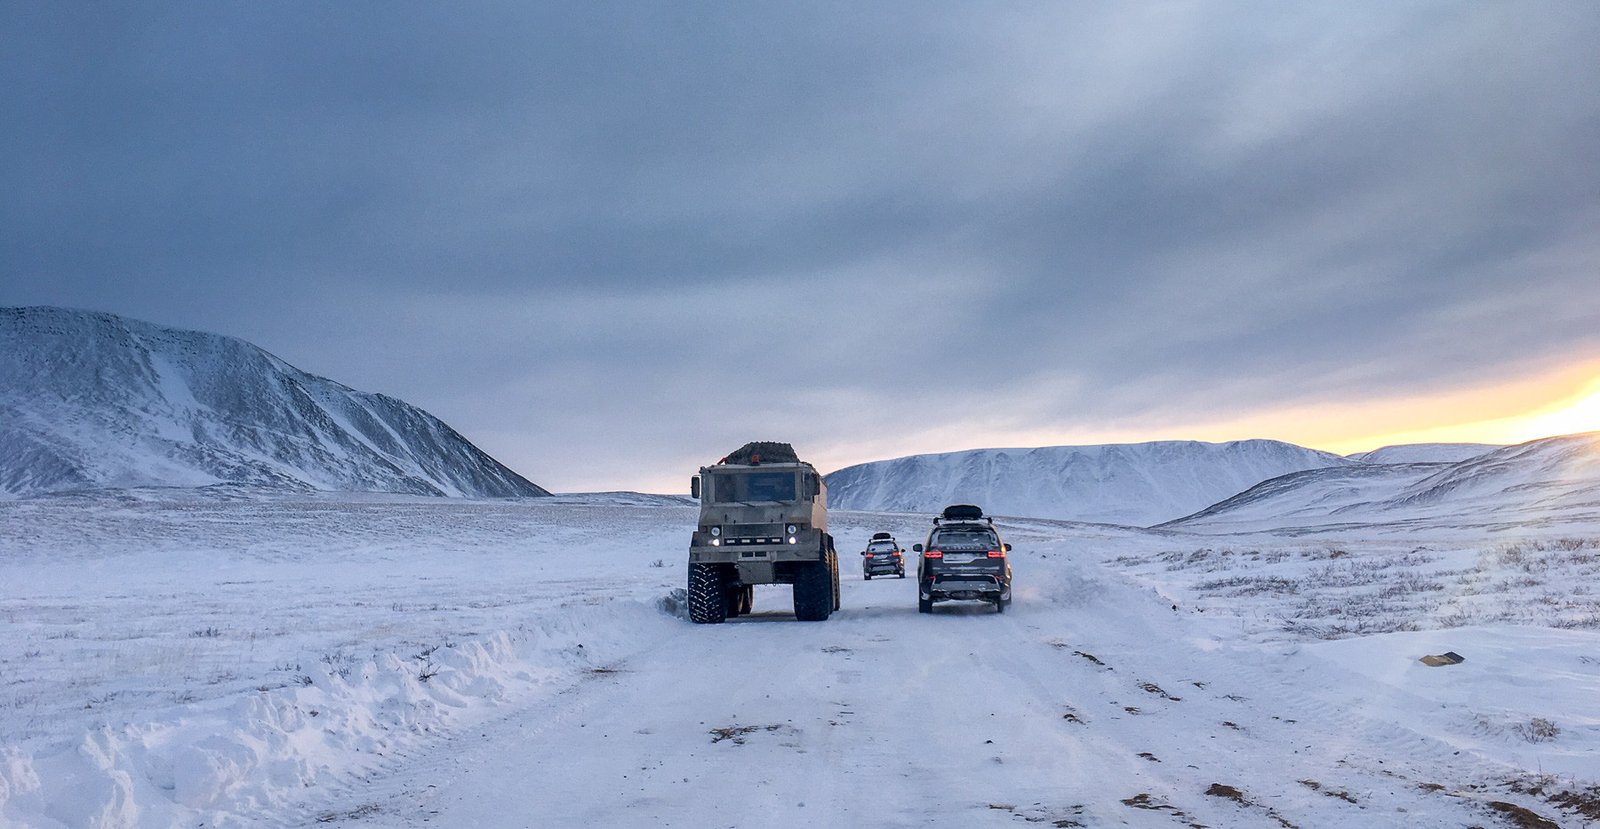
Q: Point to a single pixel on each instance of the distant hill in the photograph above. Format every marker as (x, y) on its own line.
(1135, 484)
(91, 400)
(1425, 453)
(1553, 478)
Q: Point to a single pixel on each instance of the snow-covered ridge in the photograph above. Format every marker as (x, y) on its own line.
(1135, 484)
(1425, 453)
(1553, 479)
(91, 400)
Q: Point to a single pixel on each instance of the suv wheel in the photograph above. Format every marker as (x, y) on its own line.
(924, 605)
(708, 599)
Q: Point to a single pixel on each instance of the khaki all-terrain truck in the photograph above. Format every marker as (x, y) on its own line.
(763, 520)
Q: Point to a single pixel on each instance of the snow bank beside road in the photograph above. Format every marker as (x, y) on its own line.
(176, 657)
(1524, 697)
(249, 759)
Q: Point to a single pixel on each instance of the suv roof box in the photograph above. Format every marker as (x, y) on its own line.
(962, 512)
(881, 536)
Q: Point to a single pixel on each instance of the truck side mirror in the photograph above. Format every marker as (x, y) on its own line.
(916, 548)
(694, 487)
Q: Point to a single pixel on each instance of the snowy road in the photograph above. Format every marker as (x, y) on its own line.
(884, 717)
(415, 662)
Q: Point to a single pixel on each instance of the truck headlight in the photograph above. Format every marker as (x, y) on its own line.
(793, 529)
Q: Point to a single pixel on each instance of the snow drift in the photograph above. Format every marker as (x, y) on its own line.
(92, 400)
(1135, 484)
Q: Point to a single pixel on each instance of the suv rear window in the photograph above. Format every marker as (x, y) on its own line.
(877, 546)
(964, 538)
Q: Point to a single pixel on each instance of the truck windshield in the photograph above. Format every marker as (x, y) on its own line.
(753, 486)
(962, 538)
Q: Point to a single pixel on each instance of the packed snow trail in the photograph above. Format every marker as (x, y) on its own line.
(1089, 703)
(558, 692)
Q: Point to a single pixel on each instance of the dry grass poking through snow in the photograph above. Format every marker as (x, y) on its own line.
(1358, 588)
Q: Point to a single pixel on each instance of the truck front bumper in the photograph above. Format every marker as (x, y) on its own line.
(723, 555)
(807, 546)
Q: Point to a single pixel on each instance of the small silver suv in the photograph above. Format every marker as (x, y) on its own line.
(883, 557)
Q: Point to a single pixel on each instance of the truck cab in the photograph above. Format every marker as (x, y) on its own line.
(763, 520)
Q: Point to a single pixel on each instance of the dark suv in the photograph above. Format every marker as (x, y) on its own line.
(883, 557)
(963, 560)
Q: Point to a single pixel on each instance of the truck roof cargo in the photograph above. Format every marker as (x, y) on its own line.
(758, 452)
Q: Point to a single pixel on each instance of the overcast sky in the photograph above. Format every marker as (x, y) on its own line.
(611, 242)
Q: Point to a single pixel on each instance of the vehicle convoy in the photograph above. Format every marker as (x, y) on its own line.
(763, 520)
(883, 557)
(964, 560)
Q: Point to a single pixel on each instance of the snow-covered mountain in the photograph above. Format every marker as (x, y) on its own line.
(92, 400)
(1549, 473)
(1135, 484)
(1550, 479)
(1425, 453)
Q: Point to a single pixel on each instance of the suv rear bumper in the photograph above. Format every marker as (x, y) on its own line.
(965, 586)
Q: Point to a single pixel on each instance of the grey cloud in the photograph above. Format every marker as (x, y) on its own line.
(558, 223)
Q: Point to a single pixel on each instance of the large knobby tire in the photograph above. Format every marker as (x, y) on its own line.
(833, 568)
(708, 598)
(813, 593)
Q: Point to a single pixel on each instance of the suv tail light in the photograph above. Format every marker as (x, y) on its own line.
(997, 554)
(933, 554)
(868, 555)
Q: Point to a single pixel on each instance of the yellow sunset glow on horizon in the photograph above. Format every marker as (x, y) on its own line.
(1572, 413)
(1559, 401)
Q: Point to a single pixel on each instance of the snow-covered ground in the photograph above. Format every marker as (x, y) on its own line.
(178, 659)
